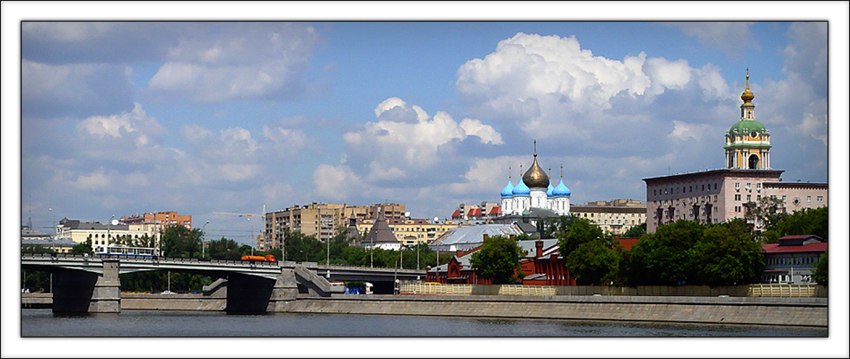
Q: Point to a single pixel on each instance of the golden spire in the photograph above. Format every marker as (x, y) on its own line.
(747, 95)
(535, 177)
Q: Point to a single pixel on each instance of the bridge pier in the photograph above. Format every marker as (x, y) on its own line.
(78, 292)
(284, 292)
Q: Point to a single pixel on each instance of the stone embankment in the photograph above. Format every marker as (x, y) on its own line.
(804, 312)
(807, 312)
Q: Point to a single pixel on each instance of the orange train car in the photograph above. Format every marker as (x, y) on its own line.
(266, 258)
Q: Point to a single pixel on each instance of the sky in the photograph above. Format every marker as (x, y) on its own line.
(217, 119)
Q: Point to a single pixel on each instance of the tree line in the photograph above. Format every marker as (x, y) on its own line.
(680, 253)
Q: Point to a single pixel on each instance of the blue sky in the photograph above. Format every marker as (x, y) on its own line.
(216, 118)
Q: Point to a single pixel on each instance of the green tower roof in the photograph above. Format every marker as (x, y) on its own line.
(747, 126)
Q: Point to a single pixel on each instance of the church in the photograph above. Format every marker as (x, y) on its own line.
(719, 195)
(534, 190)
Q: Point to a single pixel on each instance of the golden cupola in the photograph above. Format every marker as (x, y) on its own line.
(535, 177)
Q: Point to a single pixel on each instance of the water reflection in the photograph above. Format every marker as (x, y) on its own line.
(42, 323)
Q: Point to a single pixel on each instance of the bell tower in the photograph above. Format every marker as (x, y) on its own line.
(748, 141)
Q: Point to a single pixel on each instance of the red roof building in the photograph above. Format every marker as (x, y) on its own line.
(541, 263)
(793, 259)
(627, 243)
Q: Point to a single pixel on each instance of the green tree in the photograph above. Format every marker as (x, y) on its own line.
(498, 259)
(82, 248)
(223, 249)
(36, 249)
(635, 231)
(594, 262)
(180, 242)
(523, 237)
(554, 226)
(35, 281)
(766, 212)
(578, 231)
(666, 256)
(727, 254)
(821, 274)
(806, 221)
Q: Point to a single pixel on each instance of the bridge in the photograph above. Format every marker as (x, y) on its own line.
(87, 284)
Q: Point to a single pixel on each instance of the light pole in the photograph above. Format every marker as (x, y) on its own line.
(203, 239)
(53, 219)
(108, 236)
(395, 275)
(328, 259)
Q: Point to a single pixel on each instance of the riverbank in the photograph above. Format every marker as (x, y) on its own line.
(802, 312)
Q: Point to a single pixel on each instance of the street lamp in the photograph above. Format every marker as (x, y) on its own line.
(53, 218)
(109, 236)
(328, 259)
(203, 239)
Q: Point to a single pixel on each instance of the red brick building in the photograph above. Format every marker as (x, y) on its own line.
(541, 264)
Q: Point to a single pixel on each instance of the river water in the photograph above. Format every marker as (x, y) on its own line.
(143, 323)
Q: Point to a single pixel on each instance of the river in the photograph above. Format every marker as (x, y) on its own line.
(144, 323)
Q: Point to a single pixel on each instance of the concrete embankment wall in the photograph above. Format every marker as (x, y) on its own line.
(171, 302)
(810, 312)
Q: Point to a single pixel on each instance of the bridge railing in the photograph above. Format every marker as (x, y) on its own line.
(215, 261)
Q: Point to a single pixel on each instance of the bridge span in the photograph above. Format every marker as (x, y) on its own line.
(92, 284)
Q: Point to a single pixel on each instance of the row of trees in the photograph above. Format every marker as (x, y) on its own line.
(679, 253)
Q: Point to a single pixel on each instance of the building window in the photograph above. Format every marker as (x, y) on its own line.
(737, 197)
(703, 188)
(820, 198)
(749, 198)
(737, 186)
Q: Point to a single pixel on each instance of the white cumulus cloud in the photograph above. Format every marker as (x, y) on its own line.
(93, 181)
(404, 144)
(687, 131)
(130, 127)
(335, 182)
